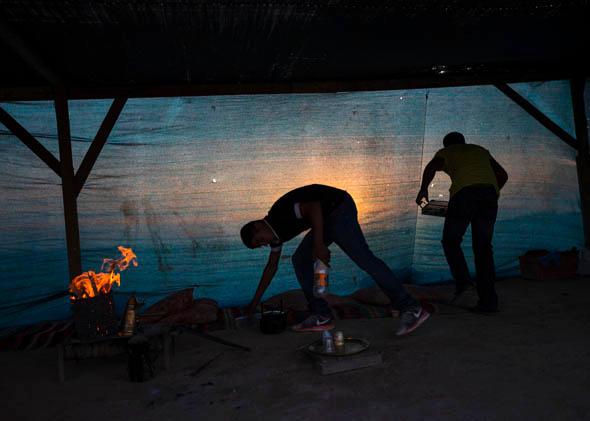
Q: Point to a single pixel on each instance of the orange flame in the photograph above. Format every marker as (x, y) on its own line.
(90, 284)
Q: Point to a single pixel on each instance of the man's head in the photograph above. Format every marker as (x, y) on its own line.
(256, 234)
(453, 138)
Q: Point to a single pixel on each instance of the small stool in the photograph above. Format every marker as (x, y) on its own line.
(107, 346)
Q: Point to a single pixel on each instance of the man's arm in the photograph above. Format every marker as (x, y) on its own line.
(500, 172)
(436, 164)
(312, 212)
(267, 274)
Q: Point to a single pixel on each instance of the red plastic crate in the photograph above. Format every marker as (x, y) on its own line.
(543, 265)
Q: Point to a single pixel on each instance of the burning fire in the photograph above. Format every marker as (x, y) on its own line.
(90, 284)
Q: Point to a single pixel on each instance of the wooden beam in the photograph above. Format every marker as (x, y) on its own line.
(29, 140)
(19, 46)
(98, 143)
(537, 115)
(395, 82)
(68, 187)
(583, 167)
(583, 158)
(581, 123)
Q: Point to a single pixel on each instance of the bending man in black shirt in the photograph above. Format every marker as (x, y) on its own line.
(332, 216)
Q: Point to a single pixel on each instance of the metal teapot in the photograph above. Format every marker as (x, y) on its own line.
(272, 320)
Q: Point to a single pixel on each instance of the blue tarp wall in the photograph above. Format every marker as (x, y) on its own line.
(178, 177)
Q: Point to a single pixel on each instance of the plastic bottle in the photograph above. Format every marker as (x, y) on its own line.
(130, 315)
(320, 279)
(339, 341)
(328, 342)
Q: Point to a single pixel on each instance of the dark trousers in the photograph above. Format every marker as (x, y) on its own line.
(342, 227)
(478, 206)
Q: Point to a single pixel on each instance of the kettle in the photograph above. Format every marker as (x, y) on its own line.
(272, 321)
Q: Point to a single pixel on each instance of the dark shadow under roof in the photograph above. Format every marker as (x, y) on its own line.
(106, 48)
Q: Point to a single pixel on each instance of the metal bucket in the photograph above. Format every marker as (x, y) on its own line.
(95, 317)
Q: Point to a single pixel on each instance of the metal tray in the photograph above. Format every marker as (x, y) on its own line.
(352, 346)
(435, 208)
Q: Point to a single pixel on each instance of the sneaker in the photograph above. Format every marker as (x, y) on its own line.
(411, 318)
(314, 323)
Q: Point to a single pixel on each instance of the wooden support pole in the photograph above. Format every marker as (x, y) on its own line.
(583, 166)
(581, 123)
(68, 186)
(537, 115)
(29, 140)
(167, 346)
(583, 158)
(61, 377)
(99, 141)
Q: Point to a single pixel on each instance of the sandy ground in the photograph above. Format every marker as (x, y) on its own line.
(531, 361)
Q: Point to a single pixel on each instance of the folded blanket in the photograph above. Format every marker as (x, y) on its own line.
(42, 335)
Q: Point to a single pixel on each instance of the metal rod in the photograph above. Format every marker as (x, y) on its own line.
(195, 372)
(216, 339)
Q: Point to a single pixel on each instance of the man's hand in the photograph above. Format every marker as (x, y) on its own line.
(422, 194)
(267, 274)
(436, 164)
(321, 252)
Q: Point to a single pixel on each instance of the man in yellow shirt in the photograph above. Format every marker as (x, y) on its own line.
(476, 181)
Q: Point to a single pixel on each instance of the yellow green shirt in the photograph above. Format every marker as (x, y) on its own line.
(467, 164)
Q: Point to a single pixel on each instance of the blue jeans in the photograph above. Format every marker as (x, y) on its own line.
(478, 206)
(342, 227)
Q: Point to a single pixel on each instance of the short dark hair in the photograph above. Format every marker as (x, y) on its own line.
(247, 233)
(453, 138)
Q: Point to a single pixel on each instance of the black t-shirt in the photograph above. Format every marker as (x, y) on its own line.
(284, 217)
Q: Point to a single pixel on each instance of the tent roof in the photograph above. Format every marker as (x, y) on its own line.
(106, 48)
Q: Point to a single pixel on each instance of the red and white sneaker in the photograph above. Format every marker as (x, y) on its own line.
(410, 319)
(314, 323)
